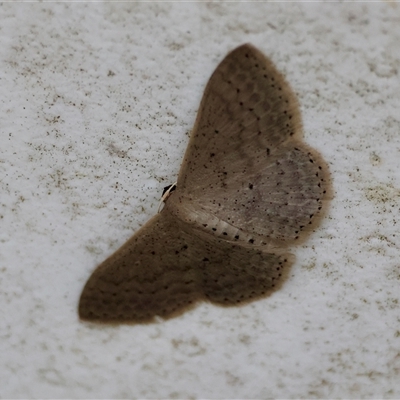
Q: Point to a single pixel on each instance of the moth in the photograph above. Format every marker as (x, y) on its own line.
(248, 189)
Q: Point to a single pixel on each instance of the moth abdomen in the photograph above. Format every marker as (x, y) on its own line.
(197, 217)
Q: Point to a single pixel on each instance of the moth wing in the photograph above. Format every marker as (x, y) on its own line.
(281, 201)
(246, 163)
(247, 109)
(239, 274)
(151, 274)
(166, 268)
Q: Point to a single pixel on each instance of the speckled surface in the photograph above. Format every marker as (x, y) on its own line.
(96, 103)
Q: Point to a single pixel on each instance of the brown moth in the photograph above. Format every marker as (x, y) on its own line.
(248, 188)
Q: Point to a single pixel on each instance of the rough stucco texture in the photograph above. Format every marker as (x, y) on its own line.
(96, 103)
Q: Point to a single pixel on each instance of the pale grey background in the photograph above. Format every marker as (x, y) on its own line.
(96, 102)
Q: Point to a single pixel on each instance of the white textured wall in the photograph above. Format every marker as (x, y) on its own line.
(96, 102)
